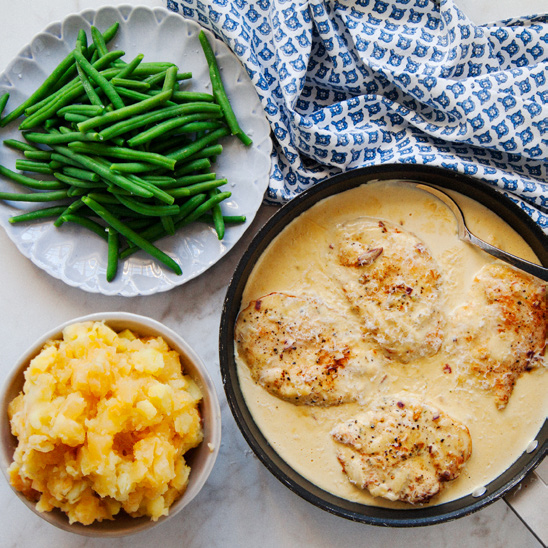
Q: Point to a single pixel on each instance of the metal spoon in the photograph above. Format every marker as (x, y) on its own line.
(466, 236)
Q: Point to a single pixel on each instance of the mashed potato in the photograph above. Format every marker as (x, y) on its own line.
(103, 422)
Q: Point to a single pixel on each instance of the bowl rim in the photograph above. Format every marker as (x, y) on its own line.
(413, 517)
(210, 445)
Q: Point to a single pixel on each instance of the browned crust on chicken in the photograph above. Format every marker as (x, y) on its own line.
(500, 332)
(402, 448)
(393, 283)
(300, 350)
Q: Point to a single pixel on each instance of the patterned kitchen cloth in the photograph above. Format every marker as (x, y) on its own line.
(354, 83)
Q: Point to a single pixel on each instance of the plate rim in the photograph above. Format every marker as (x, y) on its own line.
(372, 515)
(263, 148)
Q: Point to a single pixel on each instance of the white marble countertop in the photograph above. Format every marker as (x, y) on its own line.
(242, 503)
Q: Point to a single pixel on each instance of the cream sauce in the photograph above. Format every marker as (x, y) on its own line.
(295, 263)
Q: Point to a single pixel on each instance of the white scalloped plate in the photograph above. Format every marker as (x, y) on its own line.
(78, 257)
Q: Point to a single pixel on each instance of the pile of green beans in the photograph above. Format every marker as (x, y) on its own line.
(121, 149)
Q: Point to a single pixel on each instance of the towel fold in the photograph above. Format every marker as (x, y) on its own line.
(348, 84)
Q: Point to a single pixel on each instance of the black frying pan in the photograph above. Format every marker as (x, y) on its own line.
(473, 188)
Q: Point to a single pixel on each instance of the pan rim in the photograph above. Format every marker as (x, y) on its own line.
(476, 189)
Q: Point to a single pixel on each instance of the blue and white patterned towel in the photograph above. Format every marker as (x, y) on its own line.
(354, 83)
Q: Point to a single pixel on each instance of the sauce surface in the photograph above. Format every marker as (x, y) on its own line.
(295, 263)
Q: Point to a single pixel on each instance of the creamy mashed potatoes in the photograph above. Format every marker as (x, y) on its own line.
(102, 423)
(297, 263)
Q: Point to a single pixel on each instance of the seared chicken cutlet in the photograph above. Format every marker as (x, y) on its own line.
(301, 351)
(393, 283)
(501, 330)
(402, 448)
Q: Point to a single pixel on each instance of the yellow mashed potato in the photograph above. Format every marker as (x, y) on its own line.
(103, 422)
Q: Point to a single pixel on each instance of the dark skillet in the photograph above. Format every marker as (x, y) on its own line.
(475, 189)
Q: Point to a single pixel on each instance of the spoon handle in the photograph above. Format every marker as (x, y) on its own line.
(522, 264)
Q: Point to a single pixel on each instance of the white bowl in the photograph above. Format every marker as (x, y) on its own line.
(201, 459)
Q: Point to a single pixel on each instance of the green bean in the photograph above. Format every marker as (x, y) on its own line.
(37, 155)
(131, 235)
(3, 102)
(100, 80)
(217, 214)
(204, 208)
(75, 181)
(52, 196)
(80, 173)
(146, 69)
(168, 224)
(155, 79)
(159, 179)
(139, 223)
(48, 139)
(76, 118)
(112, 254)
(65, 95)
(189, 96)
(157, 192)
(227, 219)
(133, 167)
(130, 84)
(71, 208)
(187, 180)
(125, 112)
(197, 188)
(99, 41)
(199, 144)
(29, 182)
(143, 118)
(87, 223)
(157, 230)
(208, 152)
(196, 165)
(201, 127)
(89, 90)
(124, 153)
(34, 166)
(19, 145)
(170, 79)
(90, 52)
(154, 117)
(130, 67)
(104, 198)
(76, 191)
(108, 35)
(42, 91)
(82, 39)
(37, 214)
(170, 143)
(52, 106)
(87, 110)
(219, 91)
(93, 164)
(147, 209)
(168, 125)
(64, 160)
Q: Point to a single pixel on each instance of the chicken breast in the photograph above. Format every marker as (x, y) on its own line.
(500, 331)
(393, 283)
(402, 449)
(302, 351)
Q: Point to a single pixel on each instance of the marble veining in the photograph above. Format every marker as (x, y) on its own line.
(242, 504)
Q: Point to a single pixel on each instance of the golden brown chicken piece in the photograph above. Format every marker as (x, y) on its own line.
(393, 283)
(402, 449)
(302, 351)
(500, 332)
